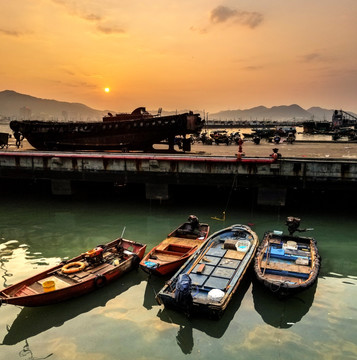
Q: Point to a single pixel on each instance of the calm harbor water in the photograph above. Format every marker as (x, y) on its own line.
(123, 320)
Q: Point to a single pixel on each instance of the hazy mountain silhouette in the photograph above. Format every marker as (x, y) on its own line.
(13, 104)
(283, 112)
(20, 106)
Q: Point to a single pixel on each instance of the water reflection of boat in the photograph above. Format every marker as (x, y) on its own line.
(136, 131)
(206, 283)
(32, 321)
(153, 286)
(186, 325)
(282, 313)
(85, 273)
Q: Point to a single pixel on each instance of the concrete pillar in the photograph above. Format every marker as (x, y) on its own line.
(157, 191)
(271, 196)
(61, 187)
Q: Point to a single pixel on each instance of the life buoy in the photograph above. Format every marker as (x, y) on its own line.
(100, 281)
(73, 267)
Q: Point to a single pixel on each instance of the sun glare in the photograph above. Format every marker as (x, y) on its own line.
(106, 90)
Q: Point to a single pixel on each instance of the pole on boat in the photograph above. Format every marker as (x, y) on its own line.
(122, 234)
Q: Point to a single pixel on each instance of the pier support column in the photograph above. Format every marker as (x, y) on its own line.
(61, 187)
(157, 191)
(271, 196)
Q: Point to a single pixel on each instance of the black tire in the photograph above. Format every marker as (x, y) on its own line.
(100, 281)
(136, 261)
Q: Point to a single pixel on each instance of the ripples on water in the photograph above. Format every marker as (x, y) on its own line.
(123, 320)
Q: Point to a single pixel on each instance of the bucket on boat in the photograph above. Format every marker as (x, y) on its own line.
(115, 262)
(48, 286)
(243, 245)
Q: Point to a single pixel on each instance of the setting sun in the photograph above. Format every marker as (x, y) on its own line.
(106, 90)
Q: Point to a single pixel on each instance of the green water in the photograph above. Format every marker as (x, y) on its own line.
(123, 320)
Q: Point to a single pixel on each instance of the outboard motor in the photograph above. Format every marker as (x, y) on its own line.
(95, 256)
(293, 224)
(183, 292)
(193, 221)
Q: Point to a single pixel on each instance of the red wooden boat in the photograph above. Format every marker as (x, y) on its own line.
(78, 276)
(179, 245)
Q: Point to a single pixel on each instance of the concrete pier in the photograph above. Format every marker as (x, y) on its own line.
(160, 171)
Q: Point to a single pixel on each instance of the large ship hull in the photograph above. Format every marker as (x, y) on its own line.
(112, 134)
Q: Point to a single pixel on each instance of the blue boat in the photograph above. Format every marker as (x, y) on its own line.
(205, 284)
(287, 264)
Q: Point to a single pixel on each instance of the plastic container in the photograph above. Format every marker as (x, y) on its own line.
(48, 286)
(243, 245)
(115, 262)
(215, 295)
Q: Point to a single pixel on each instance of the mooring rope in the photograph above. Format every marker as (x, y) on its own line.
(229, 198)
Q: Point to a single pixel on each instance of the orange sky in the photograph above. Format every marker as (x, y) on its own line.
(181, 54)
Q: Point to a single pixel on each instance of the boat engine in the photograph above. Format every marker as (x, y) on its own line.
(293, 224)
(183, 292)
(95, 256)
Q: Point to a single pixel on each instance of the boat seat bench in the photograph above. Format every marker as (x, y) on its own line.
(26, 291)
(285, 267)
(168, 252)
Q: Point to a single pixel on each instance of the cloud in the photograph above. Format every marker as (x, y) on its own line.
(222, 14)
(311, 57)
(109, 30)
(199, 30)
(92, 15)
(254, 68)
(74, 8)
(10, 32)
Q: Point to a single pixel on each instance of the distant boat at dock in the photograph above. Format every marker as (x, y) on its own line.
(139, 130)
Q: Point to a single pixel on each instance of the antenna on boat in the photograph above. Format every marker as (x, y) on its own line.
(122, 234)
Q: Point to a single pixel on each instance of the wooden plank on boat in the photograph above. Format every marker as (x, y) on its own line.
(180, 241)
(165, 257)
(103, 269)
(168, 252)
(292, 279)
(25, 291)
(200, 268)
(286, 267)
(60, 283)
(234, 254)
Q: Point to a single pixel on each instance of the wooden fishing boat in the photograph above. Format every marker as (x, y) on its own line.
(205, 284)
(179, 245)
(136, 131)
(286, 264)
(78, 276)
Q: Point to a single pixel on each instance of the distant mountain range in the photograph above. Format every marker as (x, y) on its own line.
(283, 112)
(20, 106)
